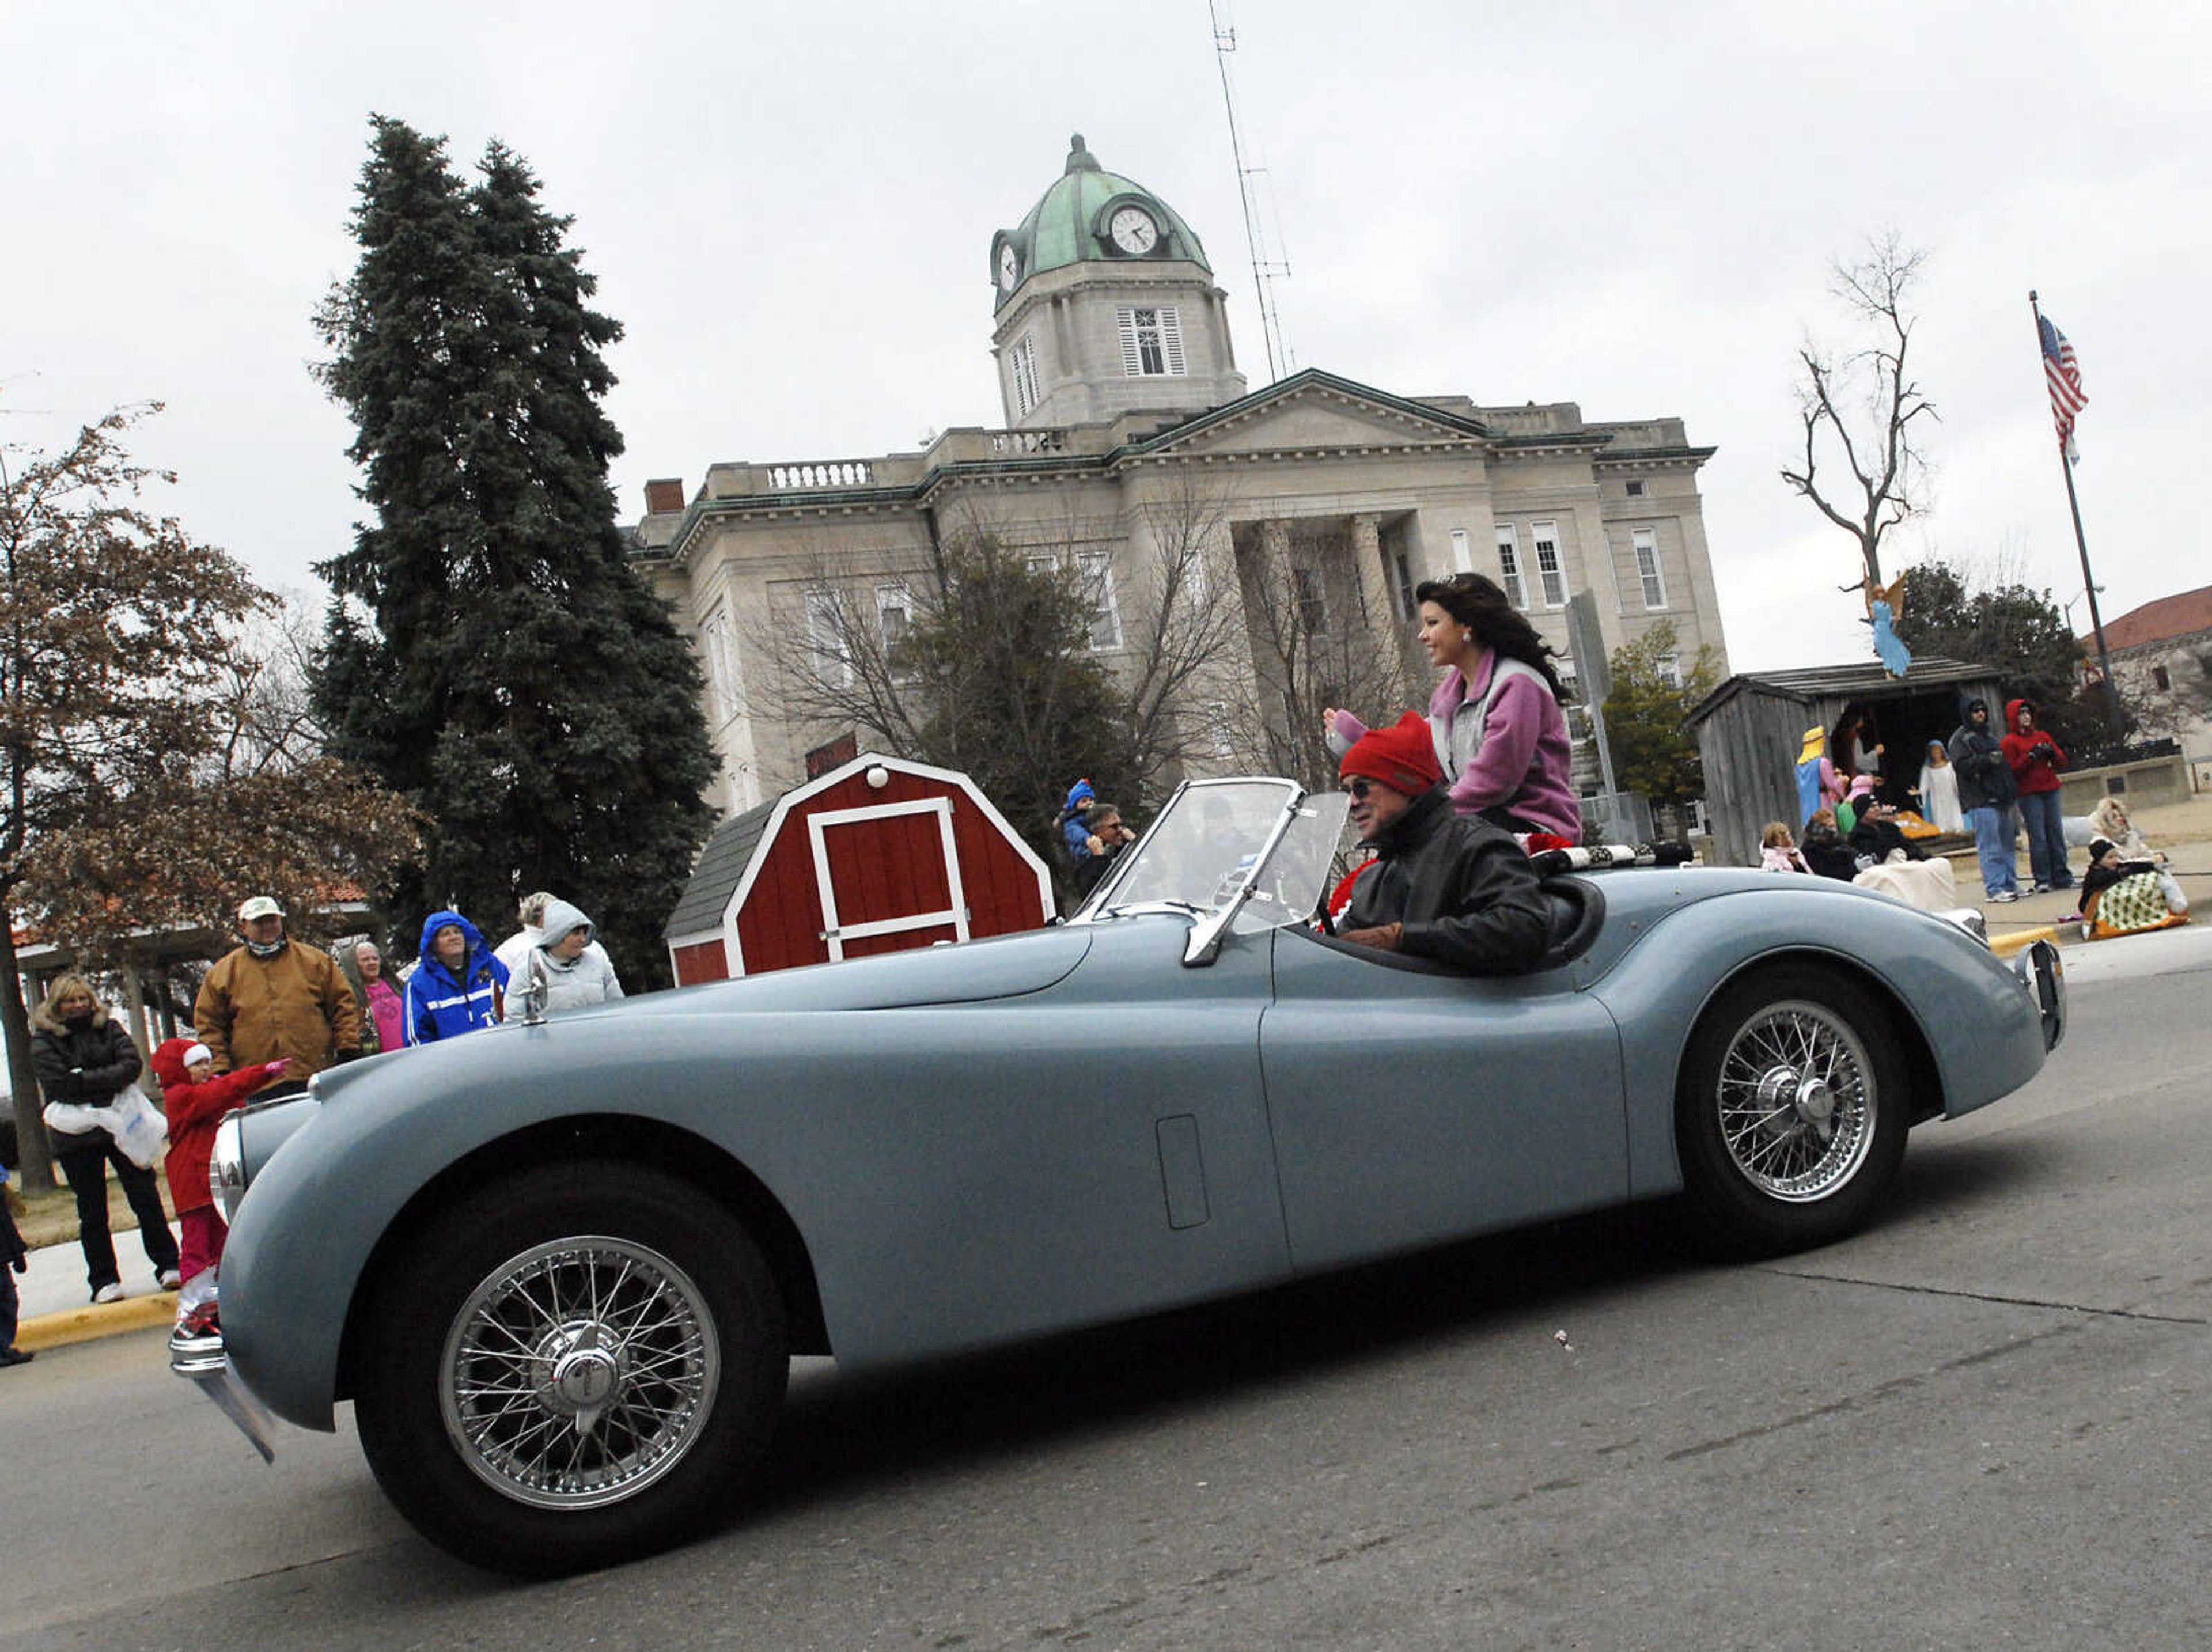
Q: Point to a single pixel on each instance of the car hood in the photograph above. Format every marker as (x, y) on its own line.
(1006, 965)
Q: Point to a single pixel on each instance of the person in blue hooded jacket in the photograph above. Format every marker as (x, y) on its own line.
(458, 986)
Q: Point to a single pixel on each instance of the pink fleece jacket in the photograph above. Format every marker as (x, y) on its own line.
(1519, 758)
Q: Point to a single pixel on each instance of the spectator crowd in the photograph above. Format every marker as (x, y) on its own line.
(269, 1014)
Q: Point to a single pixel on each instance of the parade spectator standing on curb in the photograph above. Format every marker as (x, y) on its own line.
(458, 986)
(196, 1099)
(85, 1060)
(577, 974)
(14, 1259)
(1447, 886)
(515, 949)
(1986, 797)
(1500, 736)
(2035, 760)
(269, 999)
(383, 1017)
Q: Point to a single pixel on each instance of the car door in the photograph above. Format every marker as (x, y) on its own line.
(1411, 1107)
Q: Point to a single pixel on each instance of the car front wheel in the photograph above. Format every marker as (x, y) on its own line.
(569, 1368)
(1792, 1113)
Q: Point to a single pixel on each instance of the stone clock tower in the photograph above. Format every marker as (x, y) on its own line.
(1106, 306)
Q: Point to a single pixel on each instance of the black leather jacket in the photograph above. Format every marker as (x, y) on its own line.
(1464, 890)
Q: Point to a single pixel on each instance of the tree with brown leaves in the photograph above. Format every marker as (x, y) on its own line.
(137, 791)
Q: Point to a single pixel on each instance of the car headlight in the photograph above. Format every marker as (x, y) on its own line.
(226, 1167)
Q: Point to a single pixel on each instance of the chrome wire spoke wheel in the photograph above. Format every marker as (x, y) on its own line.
(578, 1372)
(1796, 1100)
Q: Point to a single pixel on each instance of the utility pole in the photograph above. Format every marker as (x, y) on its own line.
(1264, 269)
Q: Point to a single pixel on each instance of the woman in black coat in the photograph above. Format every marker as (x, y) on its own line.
(85, 1058)
(1825, 850)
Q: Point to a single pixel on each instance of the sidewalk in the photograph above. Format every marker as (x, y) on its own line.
(2182, 830)
(57, 1305)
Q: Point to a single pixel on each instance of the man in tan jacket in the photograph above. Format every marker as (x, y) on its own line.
(269, 999)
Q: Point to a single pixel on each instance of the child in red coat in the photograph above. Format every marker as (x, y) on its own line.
(196, 1098)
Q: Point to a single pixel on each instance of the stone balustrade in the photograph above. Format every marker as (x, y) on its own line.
(811, 474)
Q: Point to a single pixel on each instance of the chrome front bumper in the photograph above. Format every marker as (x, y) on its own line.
(197, 1352)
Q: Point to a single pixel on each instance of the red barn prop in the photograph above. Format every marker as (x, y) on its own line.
(877, 855)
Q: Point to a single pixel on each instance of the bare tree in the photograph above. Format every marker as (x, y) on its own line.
(1863, 404)
(267, 717)
(1095, 651)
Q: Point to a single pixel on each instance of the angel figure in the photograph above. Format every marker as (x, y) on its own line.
(1885, 605)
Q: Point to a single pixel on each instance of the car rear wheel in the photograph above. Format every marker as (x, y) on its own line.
(569, 1368)
(1792, 1113)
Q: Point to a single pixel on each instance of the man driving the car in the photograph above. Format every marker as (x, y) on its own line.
(1445, 886)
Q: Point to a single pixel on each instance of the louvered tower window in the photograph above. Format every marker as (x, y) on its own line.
(1152, 342)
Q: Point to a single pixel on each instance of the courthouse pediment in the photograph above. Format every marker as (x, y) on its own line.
(1313, 410)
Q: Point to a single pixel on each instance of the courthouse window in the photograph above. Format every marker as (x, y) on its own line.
(1151, 341)
(1021, 365)
(1509, 566)
(826, 637)
(1647, 568)
(1547, 537)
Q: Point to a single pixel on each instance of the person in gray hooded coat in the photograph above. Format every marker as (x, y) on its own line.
(577, 974)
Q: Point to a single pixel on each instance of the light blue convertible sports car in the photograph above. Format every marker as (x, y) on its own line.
(560, 1268)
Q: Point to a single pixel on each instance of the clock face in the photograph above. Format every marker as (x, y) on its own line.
(1132, 230)
(1010, 267)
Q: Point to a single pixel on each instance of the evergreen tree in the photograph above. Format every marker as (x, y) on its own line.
(1647, 720)
(489, 650)
(1008, 691)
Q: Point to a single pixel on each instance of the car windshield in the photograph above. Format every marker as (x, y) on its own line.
(1213, 840)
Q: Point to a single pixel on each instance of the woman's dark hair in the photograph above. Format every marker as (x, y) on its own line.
(1479, 605)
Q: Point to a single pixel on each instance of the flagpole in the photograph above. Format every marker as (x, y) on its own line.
(2089, 580)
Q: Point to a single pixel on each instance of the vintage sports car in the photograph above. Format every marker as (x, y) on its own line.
(560, 1268)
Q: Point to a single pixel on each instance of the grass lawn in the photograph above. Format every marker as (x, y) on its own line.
(49, 1216)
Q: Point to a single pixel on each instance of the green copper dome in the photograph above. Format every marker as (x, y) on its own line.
(1091, 215)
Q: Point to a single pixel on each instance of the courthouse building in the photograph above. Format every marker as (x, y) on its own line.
(1124, 413)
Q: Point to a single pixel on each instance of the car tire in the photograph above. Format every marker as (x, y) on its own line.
(1791, 1111)
(571, 1367)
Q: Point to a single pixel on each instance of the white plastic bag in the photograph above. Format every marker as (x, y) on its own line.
(138, 1126)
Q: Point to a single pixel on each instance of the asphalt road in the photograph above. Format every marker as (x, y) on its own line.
(1983, 1423)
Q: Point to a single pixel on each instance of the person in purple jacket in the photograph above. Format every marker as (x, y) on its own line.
(1499, 733)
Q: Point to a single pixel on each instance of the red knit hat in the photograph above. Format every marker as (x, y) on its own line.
(1403, 756)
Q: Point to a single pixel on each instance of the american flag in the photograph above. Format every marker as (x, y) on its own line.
(2064, 374)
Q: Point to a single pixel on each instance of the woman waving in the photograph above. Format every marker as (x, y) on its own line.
(1496, 720)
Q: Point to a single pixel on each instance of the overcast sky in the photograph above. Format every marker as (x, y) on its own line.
(790, 208)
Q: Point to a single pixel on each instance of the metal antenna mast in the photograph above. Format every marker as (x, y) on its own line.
(1264, 269)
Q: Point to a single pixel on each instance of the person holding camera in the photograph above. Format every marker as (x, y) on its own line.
(2035, 760)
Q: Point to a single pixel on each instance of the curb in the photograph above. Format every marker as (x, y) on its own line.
(97, 1319)
(2005, 945)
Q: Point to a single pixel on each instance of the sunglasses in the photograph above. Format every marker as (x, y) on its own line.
(1359, 786)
